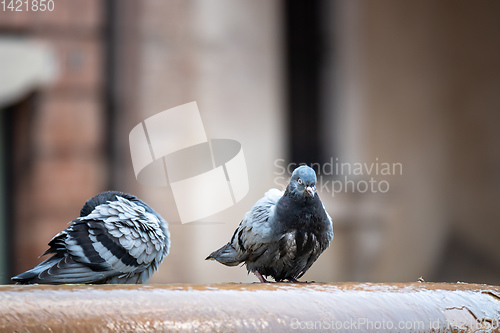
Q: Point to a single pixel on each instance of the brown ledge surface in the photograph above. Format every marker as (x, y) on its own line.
(279, 307)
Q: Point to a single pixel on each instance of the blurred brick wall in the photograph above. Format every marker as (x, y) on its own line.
(63, 162)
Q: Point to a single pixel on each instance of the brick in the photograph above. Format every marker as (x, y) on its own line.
(68, 124)
(12, 20)
(80, 17)
(79, 62)
(62, 184)
(76, 17)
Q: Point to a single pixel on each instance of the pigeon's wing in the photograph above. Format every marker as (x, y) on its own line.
(253, 234)
(60, 269)
(122, 236)
(69, 264)
(255, 229)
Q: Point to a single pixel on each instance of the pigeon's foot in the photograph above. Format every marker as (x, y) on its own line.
(260, 277)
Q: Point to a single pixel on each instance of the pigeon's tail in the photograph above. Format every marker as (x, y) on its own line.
(59, 269)
(33, 275)
(226, 255)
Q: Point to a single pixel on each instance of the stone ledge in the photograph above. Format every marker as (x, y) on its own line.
(276, 307)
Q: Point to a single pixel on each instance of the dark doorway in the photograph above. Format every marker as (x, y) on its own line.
(307, 36)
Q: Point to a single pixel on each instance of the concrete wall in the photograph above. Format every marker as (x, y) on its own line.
(418, 85)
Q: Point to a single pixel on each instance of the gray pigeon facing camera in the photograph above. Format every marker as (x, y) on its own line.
(283, 234)
(117, 239)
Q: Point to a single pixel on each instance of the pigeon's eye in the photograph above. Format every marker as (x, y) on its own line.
(299, 181)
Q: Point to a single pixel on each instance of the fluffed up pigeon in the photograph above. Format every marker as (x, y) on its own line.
(117, 239)
(284, 232)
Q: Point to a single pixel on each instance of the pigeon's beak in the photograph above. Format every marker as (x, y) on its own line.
(310, 191)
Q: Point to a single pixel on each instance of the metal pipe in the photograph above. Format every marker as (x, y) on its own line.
(262, 307)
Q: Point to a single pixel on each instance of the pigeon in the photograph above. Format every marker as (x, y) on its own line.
(284, 232)
(117, 239)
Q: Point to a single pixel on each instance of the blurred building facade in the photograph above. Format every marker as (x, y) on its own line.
(53, 131)
(414, 83)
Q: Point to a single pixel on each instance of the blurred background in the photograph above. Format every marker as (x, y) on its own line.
(410, 83)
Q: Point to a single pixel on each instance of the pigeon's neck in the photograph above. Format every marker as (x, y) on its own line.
(298, 198)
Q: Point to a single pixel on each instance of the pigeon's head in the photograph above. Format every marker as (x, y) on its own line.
(303, 181)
